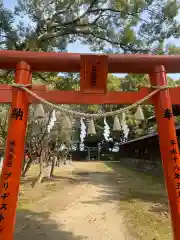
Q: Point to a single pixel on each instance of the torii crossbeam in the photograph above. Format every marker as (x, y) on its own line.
(93, 90)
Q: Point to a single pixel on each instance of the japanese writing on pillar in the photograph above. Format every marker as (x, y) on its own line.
(168, 114)
(5, 194)
(175, 157)
(17, 114)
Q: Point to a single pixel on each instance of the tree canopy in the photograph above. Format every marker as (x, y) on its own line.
(119, 26)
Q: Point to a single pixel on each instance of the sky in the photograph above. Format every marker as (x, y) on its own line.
(79, 48)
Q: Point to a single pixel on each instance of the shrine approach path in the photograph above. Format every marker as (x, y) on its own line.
(81, 209)
(95, 201)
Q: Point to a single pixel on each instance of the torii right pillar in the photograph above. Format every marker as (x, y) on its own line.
(168, 146)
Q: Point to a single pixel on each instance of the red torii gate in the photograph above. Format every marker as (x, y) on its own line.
(93, 71)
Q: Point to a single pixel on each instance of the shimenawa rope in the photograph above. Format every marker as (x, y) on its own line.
(88, 115)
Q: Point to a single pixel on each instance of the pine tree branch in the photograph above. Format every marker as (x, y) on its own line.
(88, 33)
(117, 11)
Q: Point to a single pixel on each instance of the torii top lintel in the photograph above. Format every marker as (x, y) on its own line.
(70, 62)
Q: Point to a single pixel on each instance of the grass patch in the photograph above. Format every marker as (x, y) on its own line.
(144, 202)
(29, 195)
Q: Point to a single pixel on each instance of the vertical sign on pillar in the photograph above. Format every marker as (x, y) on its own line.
(14, 153)
(168, 147)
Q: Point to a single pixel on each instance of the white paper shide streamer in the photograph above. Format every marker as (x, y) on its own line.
(106, 130)
(82, 133)
(52, 121)
(124, 125)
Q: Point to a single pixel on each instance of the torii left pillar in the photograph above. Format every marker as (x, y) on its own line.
(14, 153)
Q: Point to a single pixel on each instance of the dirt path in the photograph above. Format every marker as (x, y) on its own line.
(82, 209)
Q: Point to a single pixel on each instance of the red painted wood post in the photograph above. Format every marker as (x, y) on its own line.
(14, 153)
(168, 147)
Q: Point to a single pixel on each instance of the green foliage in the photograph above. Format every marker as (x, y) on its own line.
(132, 82)
(93, 108)
(6, 21)
(173, 50)
(139, 132)
(171, 82)
(177, 119)
(113, 83)
(4, 111)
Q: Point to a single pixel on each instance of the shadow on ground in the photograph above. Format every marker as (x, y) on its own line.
(123, 184)
(31, 225)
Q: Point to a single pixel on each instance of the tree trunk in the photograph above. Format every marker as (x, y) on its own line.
(54, 160)
(27, 167)
(23, 165)
(41, 170)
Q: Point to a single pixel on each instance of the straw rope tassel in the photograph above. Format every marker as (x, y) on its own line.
(39, 112)
(139, 115)
(91, 127)
(116, 125)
